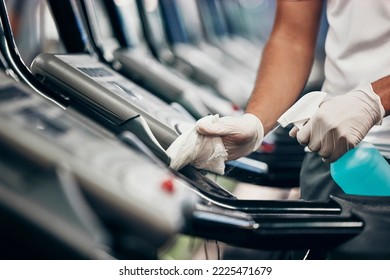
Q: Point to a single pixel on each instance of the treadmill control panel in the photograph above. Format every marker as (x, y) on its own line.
(124, 184)
(126, 89)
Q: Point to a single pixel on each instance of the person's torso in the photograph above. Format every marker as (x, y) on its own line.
(358, 52)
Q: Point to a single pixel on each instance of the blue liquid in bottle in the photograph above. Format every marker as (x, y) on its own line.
(362, 171)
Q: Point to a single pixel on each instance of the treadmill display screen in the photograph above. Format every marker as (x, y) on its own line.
(50, 122)
(43, 122)
(115, 86)
(11, 93)
(95, 72)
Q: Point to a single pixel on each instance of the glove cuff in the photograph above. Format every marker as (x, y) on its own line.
(255, 121)
(376, 101)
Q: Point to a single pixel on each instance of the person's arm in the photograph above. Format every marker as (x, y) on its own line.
(382, 88)
(286, 60)
(284, 69)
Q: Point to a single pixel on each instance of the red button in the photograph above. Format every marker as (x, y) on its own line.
(168, 186)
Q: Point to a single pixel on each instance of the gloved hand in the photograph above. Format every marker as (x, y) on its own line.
(200, 151)
(341, 123)
(240, 135)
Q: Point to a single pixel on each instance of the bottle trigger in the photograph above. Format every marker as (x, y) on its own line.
(302, 110)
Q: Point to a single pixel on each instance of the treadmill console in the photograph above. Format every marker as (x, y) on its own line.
(124, 187)
(115, 97)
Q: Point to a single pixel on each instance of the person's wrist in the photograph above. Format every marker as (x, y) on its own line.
(255, 122)
(374, 101)
(382, 88)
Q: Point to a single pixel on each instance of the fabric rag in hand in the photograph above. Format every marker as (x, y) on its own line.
(203, 152)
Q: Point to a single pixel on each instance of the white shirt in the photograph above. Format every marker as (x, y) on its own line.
(358, 52)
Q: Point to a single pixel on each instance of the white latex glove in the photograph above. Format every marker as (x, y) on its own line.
(341, 123)
(240, 135)
(200, 151)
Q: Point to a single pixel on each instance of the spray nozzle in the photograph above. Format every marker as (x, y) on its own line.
(302, 110)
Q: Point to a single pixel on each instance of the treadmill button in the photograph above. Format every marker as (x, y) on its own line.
(168, 186)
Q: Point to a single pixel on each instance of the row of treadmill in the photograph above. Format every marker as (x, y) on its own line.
(83, 133)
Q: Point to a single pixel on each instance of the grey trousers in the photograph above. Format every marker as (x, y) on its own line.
(316, 183)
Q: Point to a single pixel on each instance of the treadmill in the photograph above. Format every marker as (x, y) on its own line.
(170, 42)
(196, 26)
(237, 27)
(216, 30)
(129, 54)
(98, 91)
(76, 188)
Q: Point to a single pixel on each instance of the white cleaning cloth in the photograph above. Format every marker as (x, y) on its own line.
(203, 152)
